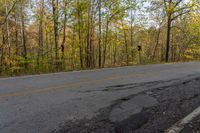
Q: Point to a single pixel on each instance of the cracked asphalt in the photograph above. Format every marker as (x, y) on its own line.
(161, 107)
(143, 99)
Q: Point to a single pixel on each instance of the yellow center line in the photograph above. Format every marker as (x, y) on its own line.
(39, 90)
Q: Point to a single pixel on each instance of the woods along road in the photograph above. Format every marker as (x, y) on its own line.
(142, 99)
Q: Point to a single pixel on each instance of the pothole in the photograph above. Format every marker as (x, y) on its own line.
(131, 107)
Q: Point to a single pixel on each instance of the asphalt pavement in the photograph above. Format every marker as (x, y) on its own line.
(100, 101)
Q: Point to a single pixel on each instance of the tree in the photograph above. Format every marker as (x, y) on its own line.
(63, 45)
(40, 30)
(174, 9)
(56, 23)
(100, 31)
(23, 32)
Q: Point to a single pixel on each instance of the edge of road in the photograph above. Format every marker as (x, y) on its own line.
(177, 127)
(88, 70)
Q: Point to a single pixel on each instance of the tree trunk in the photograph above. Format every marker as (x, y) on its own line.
(40, 33)
(88, 48)
(132, 45)
(157, 43)
(64, 31)
(2, 47)
(99, 41)
(79, 34)
(126, 45)
(105, 43)
(23, 34)
(90, 32)
(115, 49)
(16, 38)
(55, 19)
(168, 38)
(8, 34)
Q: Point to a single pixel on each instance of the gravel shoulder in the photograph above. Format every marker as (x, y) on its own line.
(193, 127)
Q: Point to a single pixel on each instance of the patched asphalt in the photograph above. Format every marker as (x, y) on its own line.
(158, 110)
(130, 107)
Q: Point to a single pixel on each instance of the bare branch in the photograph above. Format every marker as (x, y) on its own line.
(175, 17)
(183, 8)
(178, 3)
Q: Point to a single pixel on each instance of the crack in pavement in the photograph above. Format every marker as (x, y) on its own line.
(154, 85)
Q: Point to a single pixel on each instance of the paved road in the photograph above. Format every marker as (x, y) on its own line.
(40, 104)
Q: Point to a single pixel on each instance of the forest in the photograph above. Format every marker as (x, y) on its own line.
(42, 36)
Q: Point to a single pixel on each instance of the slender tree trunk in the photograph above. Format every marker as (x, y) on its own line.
(23, 34)
(157, 43)
(168, 38)
(40, 33)
(92, 35)
(99, 41)
(8, 34)
(88, 49)
(55, 19)
(172, 51)
(64, 31)
(105, 43)
(72, 57)
(2, 47)
(115, 49)
(47, 49)
(16, 38)
(47, 43)
(79, 34)
(132, 45)
(126, 45)
(115, 54)
(51, 40)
